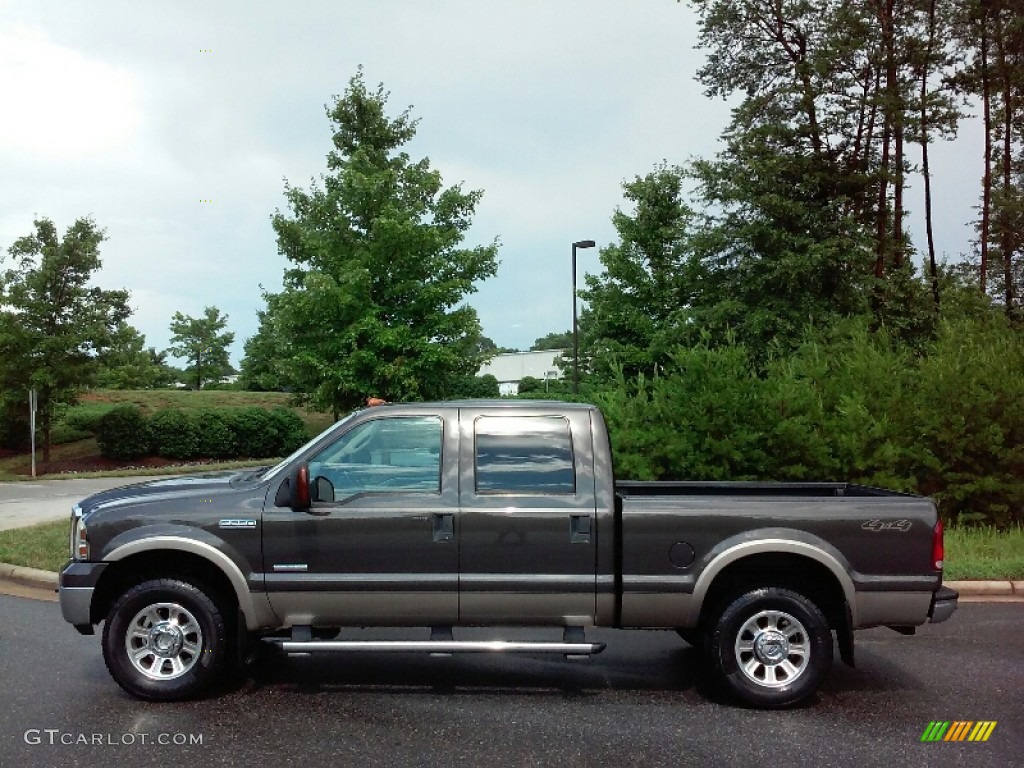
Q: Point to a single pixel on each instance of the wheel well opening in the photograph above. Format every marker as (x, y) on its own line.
(789, 571)
(122, 575)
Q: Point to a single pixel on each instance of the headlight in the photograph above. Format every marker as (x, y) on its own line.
(79, 536)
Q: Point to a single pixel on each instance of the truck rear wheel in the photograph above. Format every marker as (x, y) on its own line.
(771, 647)
(165, 640)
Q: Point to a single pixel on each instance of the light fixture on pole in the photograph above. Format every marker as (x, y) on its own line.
(575, 323)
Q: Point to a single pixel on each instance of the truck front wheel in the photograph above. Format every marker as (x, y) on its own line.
(771, 647)
(165, 640)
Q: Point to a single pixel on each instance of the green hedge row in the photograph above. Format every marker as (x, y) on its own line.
(213, 433)
(946, 421)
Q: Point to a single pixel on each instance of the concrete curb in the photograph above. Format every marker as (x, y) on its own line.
(28, 577)
(34, 577)
(987, 588)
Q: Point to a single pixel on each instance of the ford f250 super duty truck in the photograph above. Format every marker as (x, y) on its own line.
(491, 513)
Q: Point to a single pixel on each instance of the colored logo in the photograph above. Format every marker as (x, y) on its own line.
(958, 730)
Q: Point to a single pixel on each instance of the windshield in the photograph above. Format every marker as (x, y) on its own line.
(269, 473)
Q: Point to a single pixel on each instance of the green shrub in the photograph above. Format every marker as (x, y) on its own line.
(123, 433)
(14, 427)
(473, 387)
(530, 384)
(969, 422)
(289, 431)
(224, 386)
(85, 418)
(175, 435)
(216, 434)
(255, 434)
(943, 418)
(63, 433)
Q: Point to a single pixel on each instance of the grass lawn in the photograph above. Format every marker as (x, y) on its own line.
(975, 553)
(39, 546)
(982, 552)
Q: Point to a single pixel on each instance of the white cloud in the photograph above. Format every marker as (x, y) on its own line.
(60, 102)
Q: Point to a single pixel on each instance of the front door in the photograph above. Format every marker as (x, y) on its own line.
(379, 543)
(528, 535)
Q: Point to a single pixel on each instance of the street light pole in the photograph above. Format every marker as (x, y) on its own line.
(575, 322)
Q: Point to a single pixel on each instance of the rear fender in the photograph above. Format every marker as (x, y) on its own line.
(772, 541)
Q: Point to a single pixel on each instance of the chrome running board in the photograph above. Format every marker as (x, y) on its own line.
(441, 643)
(436, 646)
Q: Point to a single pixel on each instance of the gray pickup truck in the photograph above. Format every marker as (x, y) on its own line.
(491, 513)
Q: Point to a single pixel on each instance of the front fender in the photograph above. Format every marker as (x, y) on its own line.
(196, 541)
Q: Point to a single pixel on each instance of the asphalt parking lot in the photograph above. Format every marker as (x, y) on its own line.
(644, 702)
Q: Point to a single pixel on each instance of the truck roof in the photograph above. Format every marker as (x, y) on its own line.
(494, 403)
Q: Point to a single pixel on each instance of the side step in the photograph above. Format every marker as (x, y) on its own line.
(572, 645)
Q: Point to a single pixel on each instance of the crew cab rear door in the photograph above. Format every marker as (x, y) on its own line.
(527, 528)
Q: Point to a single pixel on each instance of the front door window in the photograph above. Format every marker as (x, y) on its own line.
(387, 455)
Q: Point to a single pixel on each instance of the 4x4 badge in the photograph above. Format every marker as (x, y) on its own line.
(887, 525)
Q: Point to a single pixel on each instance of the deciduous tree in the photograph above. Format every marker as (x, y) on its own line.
(128, 364)
(201, 342)
(52, 321)
(553, 340)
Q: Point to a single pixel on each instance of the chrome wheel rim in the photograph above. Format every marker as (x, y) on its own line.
(163, 641)
(772, 649)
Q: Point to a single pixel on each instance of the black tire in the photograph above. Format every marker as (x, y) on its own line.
(771, 647)
(180, 640)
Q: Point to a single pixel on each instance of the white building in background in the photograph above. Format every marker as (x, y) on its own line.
(512, 367)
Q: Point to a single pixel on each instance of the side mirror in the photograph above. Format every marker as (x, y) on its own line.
(294, 491)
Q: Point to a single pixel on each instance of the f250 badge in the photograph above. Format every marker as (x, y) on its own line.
(238, 523)
(887, 525)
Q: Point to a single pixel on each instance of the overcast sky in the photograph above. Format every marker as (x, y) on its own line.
(137, 113)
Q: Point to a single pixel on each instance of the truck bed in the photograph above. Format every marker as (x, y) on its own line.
(635, 488)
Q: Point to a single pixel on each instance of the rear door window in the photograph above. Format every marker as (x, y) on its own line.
(524, 455)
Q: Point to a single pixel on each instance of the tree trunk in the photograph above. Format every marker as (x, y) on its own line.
(199, 370)
(802, 71)
(853, 166)
(865, 165)
(810, 107)
(45, 422)
(1005, 232)
(897, 223)
(887, 117)
(925, 171)
(986, 203)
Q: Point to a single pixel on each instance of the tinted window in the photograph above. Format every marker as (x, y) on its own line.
(392, 454)
(524, 454)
